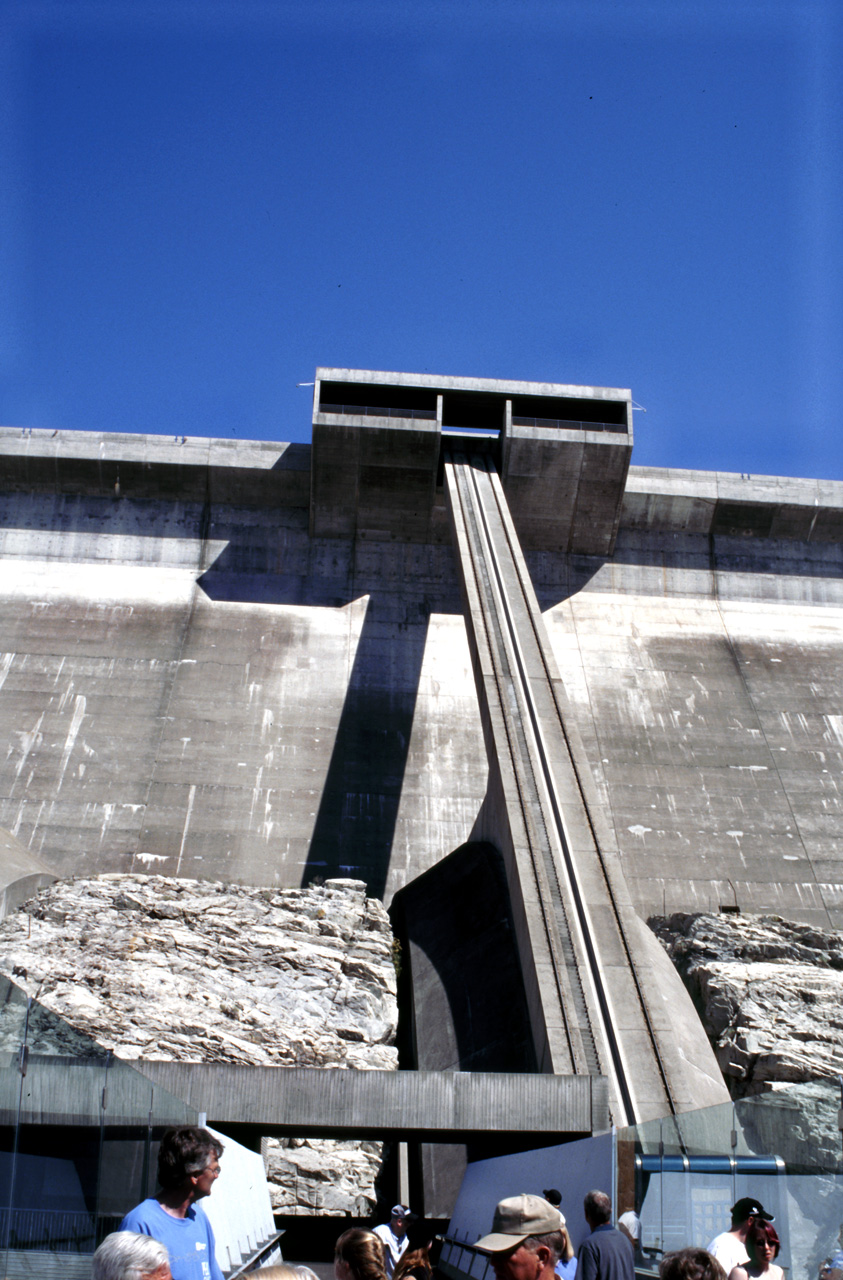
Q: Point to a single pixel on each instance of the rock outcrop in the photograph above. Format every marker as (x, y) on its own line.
(770, 994)
(184, 970)
(320, 1177)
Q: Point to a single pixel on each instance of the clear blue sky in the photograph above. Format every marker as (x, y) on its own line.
(200, 202)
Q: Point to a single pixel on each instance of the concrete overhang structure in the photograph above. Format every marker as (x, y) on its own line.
(562, 452)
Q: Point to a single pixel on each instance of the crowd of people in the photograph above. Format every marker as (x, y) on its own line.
(530, 1241)
(168, 1236)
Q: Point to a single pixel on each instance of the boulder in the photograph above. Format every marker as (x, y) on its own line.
(191, 971)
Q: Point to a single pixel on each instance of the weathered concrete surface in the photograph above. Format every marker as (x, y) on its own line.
(565, 489)
(374, 466)
(715, 731)
(190, 682)
(21, 873)
(253, 706)
(720, 503)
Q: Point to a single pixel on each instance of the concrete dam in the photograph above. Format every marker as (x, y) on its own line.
(458, 648)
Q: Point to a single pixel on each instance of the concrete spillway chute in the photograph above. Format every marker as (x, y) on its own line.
(601, 999)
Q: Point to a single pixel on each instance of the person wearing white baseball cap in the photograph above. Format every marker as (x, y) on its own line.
(526, 1240)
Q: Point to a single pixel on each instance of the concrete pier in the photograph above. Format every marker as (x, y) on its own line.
(597, 1002)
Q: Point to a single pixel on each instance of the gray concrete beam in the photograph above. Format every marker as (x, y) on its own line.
(193, 469)
(433, 1106)
(498, 386)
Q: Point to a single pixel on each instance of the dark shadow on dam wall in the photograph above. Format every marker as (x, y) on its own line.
(355, 822)
(460, 967)
(461, 992)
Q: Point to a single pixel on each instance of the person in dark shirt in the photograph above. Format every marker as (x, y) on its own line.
(607, 1253)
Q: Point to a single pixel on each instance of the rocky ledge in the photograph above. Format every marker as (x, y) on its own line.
(770, 993)
(188, 971)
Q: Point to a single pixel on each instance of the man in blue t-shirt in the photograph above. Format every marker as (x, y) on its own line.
(188, 1167)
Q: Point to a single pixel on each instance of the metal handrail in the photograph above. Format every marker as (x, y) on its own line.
(377, 411)
(568, 425)
(257, 1255)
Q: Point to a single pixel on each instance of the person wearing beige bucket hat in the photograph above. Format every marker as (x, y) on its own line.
(526, 1239)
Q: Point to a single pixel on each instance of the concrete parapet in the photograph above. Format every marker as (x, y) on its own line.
(251, 473)
(725, 504)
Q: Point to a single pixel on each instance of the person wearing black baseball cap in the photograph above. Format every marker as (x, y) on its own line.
(729, 1248)
(393, 1236)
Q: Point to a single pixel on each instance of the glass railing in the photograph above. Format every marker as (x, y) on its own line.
(682, 1175)
(78, 1140)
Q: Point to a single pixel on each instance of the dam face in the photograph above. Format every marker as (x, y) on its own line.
(459, 627)
(193, 683)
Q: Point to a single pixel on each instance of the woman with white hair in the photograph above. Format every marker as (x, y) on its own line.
(128, 1255)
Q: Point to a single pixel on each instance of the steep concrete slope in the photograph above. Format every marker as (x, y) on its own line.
(715, 733)
(166, 707)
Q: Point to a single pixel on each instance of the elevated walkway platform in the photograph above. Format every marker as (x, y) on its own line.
(430, 1106)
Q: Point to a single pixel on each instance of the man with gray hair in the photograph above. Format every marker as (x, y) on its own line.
(607, 1254)
(188, 1167)
(526, 1241)
(129, 1255)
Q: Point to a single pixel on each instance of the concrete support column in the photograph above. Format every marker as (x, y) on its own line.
(593, 1008)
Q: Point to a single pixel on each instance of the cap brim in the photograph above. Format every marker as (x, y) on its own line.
(497, 1242)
